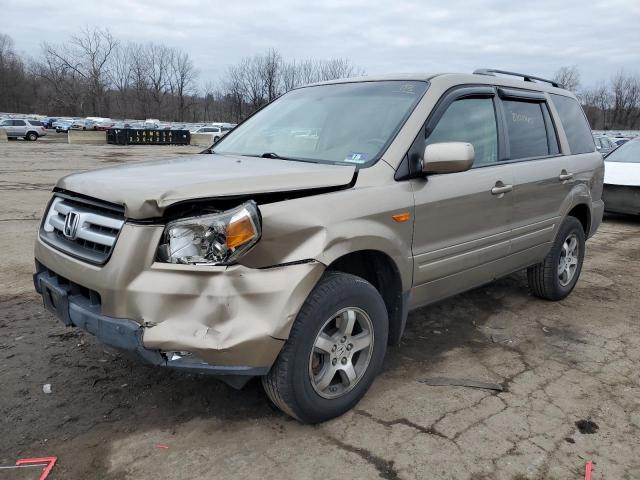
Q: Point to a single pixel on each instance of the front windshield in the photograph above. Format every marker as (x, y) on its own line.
(344, 122)
(628, 153)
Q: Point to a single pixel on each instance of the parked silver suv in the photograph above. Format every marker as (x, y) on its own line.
(23, 128)
(296, 248)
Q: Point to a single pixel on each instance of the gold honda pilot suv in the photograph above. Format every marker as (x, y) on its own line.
(294, 247)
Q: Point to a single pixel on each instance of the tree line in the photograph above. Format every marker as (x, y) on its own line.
(95, 74)
(609, 105)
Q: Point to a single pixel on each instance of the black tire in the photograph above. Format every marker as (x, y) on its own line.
(215, 139)
(31, 136)
(543, 278)
(288, 384)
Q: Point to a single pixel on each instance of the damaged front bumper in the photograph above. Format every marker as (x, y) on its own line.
(227, 321)
(76, 310)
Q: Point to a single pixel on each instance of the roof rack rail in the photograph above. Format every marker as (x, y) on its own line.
(527, 78)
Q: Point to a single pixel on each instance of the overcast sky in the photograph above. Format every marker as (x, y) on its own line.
(381, 37)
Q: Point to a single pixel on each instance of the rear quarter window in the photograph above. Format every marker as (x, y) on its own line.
(527, 129)
(574, 123)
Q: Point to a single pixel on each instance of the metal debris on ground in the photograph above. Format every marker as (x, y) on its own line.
(461, 382)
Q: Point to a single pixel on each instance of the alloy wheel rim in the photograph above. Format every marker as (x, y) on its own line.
(568, 263)
(341, 352)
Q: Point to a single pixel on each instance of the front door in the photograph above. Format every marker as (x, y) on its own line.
(463, 220)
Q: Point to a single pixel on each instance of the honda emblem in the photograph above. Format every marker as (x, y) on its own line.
(71, 225)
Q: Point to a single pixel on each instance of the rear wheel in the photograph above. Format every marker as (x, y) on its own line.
(215, 139)
(32, 136)
(335, 349)
(556, 276)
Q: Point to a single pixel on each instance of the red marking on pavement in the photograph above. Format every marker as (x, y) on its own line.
(49, 462)
(162, 445)
(587, 470)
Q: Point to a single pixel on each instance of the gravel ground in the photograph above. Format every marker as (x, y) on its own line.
(569, 371)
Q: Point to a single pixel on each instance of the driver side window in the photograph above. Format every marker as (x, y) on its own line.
(471, 120)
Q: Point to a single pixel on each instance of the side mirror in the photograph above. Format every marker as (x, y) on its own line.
(448, 157)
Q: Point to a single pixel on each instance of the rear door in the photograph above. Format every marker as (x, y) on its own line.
(542, 177)
(19, 128)
(462, 220)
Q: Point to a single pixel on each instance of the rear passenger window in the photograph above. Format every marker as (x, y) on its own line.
(527, 129)
(574, 123)
(471, 120)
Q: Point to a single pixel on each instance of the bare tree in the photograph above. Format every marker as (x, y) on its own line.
(93, 74)
(159, 58)
(15, 88)
(181, 80)
(271, 67)
(568, 77)
(84, 59)
(596, 102)
(625, 91)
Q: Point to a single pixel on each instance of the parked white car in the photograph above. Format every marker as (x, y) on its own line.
(217, 132)
(23, 128)
(622, 179)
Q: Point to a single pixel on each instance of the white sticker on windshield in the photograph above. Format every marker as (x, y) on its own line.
(357, 157)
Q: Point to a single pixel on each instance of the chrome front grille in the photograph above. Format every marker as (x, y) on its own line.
(85, 229)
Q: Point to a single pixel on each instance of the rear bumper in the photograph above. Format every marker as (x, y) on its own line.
(76, 310)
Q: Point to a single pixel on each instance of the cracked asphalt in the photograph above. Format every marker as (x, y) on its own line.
(565, 368)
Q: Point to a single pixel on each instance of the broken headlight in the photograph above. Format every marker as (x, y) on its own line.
(216, 239)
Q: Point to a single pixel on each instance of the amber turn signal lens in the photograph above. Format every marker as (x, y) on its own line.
(401, 217)
(240, 232)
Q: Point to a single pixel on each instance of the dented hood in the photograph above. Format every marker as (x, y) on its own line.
(146, 189)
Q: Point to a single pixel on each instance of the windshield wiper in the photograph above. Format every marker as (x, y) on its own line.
(279, 157)
(275, 155)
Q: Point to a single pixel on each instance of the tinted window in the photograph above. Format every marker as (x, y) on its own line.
(471, 120)
(526, 128)
(628, 153)
(574, 123)
(19, 123)
(35, 123)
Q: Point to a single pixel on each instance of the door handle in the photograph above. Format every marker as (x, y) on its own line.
(564, 176)
(499, 190)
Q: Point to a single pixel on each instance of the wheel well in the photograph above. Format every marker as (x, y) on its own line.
(582, 213)
(380, 271)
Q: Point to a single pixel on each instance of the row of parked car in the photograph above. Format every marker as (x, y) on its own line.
(34, 127)
(218, 129)
(606, 143)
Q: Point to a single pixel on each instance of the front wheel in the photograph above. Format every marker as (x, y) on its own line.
(335, 350)
(556, 276)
